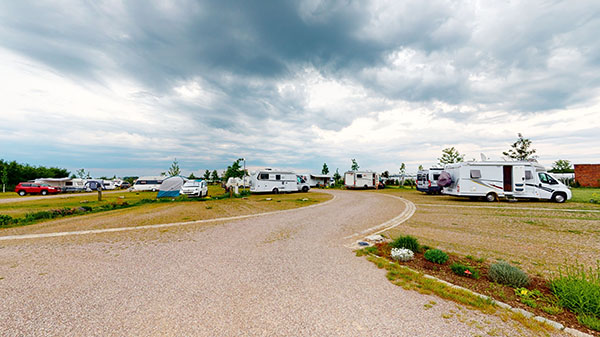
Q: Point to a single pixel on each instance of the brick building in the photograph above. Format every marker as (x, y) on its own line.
(587, 175)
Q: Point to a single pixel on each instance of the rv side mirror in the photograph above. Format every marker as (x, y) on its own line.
(540, 185)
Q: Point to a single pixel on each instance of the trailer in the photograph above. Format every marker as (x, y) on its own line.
(427, 180)
(276, 181)
(361, 179)
(148, 183)
(502, 179)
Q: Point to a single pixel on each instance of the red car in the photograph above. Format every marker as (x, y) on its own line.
(33, 188)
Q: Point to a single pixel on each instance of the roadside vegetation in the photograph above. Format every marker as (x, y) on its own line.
(571, 297)
(79, 212)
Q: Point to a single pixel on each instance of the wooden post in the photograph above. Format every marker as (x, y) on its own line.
(99, 194)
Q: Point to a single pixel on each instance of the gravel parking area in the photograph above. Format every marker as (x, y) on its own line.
(286, 274)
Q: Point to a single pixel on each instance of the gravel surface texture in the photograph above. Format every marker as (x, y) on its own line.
(286, 274)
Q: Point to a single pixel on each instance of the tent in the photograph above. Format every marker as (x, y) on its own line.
(171, 186)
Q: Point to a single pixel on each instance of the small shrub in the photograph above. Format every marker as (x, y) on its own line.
(436, 256)
(408, 242)
(466, 271)
(402, 254)
(578, 289)
(5, 220)
(507, 274)
(589, 321)
(551, 309)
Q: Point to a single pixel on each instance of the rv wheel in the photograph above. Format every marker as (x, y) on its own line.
(366, 187)
(275, 190)
(304, 189)
(559, 198)
(490, 197)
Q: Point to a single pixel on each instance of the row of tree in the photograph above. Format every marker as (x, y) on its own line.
(12, 173)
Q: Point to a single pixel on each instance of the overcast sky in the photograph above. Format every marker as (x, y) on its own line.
(124, 87)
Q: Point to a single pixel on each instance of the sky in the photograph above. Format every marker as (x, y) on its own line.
(125, 87)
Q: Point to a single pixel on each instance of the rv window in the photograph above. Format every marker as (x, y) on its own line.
(546, 179)
(436, 177)
(359, 176)
(263, 176)
(475, 174)
(140, 182)
(278, 177)
(528, 175)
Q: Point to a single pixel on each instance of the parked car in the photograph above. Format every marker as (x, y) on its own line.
(33, 188)
(194, 188)
(125, 185)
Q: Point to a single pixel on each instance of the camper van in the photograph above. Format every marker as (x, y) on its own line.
(362, 179)
(502, 179)
(149, 183)
(427, 180)
(274, 181)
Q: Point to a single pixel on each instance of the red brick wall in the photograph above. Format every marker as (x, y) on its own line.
(588, 175)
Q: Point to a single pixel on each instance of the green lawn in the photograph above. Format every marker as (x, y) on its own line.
(585, 194)
(8, 194)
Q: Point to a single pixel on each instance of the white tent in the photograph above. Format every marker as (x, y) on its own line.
(171, 186)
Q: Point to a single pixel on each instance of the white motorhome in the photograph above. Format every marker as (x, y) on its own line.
(503, 179)
(274, 181)
(109, 184)
(427, 180)
(148, 183)
(361, 179)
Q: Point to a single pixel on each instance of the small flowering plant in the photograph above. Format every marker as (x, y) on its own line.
(402, 254)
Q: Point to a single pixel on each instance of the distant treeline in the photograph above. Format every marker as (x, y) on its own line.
(16, 173)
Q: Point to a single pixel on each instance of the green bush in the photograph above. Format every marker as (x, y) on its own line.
(578, 289)
(461, 270)
(436, 256)
(408, 242)
(5, 220)
(507, 274)
(590, 321)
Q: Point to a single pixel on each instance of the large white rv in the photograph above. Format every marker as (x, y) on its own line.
(149, 183)
(361, 179)
(503, 179)
(274, 181)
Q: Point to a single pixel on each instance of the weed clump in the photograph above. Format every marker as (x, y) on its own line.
(5, 220)
(578, 289)
(463, 270)
(408, 242)
(590, 321)
(436, 256)
(504, 273)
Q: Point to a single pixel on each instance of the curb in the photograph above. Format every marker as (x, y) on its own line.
(554, 324)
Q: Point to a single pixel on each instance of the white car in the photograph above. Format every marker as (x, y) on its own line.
(194, 188)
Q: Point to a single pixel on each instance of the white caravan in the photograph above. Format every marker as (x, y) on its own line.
(361, 179)
(269, 180)
(149, 183)
(427, 180)
(503, 179)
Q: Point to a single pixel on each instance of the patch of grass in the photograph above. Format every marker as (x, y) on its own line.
(407, 241)
(551, 309)
(589, 321)
(578, 289)
(585, 194)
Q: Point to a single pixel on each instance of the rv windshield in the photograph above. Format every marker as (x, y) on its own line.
(547, 179)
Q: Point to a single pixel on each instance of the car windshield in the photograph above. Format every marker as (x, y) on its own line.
(192, 184)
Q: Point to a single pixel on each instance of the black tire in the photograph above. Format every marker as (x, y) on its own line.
(44, 192)
(366, 187)
(491, 197)
(276, 190)
(22, 193)
(304, 189)
(559, 198)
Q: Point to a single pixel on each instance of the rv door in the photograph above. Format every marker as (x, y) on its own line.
(519, 179)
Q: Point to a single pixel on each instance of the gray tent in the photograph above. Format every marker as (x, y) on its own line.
(171, 186)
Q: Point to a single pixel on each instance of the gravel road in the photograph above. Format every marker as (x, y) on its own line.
(286, 274)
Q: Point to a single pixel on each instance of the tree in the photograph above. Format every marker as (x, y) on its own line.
(562, 166)
(450, 156)
(402, 173)
(215, 176)
(520, 150)
(325, 169)
(355, 166)
(336, 176)
(234, 171)
(81, 173)
(206, 175)
(192, 176)
(174, 169)
(420, 167)
(385, 174)
(4, 178)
